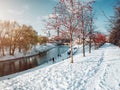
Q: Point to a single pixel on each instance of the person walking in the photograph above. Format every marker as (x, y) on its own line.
(53, 59)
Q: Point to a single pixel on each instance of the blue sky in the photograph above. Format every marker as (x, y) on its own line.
(32, 12)
(101, 21)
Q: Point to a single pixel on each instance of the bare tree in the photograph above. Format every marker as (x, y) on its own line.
(115, 32)
(70, 16)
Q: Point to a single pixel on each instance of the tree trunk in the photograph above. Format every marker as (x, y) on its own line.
(0, 51)
(79, 41)
(90, 45)
(3, 53)
(10, 50)
(83, 34)
(83, 46)
(2, 47)
(20, 49)
(71, 53)
(13, 49)
(90, 37)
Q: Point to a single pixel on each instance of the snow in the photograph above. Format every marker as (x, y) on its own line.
(74, 50)
(43, 47)
(97, 71)
(35, 50)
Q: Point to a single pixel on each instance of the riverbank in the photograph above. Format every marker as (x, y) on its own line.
(92, 72)
(16, 65)
(34, 51)
(43, 61)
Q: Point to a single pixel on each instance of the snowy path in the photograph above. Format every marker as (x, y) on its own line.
(110, 79)
(97, 71)
(104, 79)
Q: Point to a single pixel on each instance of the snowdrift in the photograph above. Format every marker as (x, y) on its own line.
(97, 71)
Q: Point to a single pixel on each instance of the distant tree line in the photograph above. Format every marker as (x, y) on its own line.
(43, 39)
(15, 37)
(115, 32)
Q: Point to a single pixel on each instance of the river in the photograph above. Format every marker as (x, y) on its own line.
(20, 64)
(52, 53)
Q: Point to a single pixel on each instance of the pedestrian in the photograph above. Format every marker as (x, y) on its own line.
(53, 59)
(59, 55)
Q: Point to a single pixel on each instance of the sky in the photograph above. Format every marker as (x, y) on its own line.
(33, 12)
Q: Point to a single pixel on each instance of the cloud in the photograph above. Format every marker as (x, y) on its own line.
(19, 11)
(26, 7)
(13, 11)
(41, 18)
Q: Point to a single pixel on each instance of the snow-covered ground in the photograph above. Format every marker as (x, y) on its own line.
(42, 48)
(35, 50)
(97, 71)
